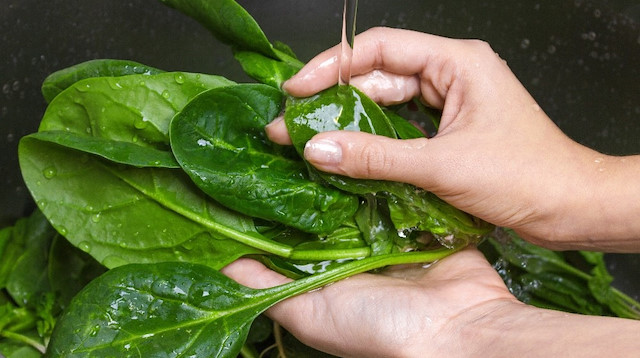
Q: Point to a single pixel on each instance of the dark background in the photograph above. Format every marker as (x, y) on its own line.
(579, 58)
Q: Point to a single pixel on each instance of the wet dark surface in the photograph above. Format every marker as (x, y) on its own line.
(579, 59)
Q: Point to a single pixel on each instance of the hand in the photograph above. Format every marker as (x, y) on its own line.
(496, 154)
(408, 311)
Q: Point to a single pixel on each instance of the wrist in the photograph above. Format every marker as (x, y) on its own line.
(606, 206)
(514, 329)
(589, 202)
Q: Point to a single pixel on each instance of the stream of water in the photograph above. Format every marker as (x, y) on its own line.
(346, 42)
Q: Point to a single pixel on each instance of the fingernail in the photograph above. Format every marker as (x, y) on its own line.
(323, 151)
(284, 86)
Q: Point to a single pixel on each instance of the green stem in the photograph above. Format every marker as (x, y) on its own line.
(247, 351)
(279, 293)
(338, 254)
(252, 239)
(24, 339)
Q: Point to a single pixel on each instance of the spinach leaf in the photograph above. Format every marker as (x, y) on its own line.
(219, 140)
(265, 69)
(182, 308)
(376, 226)
(26, 270)
(404, 129)
(114, 150)
(229, 22)
(121, 214)
(62, 79)
(547, 278)
(135, 108)
(411, 208)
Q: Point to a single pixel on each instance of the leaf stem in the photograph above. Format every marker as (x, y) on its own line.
(337, 254)
(318, 280)
(24, 339)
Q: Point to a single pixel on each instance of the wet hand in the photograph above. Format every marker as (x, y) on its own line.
(410, 311)
(496, 155)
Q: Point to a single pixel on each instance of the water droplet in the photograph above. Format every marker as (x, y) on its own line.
(85, 246)
(134, 139)
(6, 88)
(49, 172)
(94, 331)
(140, 123)
(42, 204)
(179, 78)
(165, 94)
(525, 43)
(96, 218)
(83, 87)
(15, 86)
(63, 230)
(551, 49)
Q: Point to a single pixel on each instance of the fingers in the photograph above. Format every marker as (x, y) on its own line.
(253, 274)
(277, 132)
(363, 155)
(387, 88)
(402, 53)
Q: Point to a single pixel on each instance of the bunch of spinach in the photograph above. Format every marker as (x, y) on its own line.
(165, 177)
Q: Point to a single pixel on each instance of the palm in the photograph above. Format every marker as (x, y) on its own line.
(372, 313)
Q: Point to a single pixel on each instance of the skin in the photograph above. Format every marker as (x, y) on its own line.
(496, 155)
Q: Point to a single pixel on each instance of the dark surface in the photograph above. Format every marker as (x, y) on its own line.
(579, 58)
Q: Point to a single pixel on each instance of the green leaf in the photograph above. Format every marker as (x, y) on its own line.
(182, 309)
(265, 69)
(219, 140)
(376, 226)
(121, 214)
(60, 80)
(69, 270)
(135, 109)
(346, 108)
(27, 277)
(229, 22)
(11, 349)
(404, 129)
(114, 150)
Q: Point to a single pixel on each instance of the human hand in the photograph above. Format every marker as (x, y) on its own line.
(496, 155)
(408, 311)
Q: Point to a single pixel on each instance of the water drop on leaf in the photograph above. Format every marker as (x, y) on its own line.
(49, 172)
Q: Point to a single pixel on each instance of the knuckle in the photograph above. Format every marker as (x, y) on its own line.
(479, 46)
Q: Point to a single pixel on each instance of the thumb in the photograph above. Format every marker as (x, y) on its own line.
(367, 156)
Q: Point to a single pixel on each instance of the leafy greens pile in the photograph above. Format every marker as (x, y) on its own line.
(147, 182)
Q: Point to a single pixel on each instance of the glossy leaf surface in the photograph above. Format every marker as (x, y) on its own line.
(162, 310)
(116, 151)
(135, 108)
(62, 79)
(121, 214)
(219, 140)
(411, 208)
(182, 309)
(265, 69)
